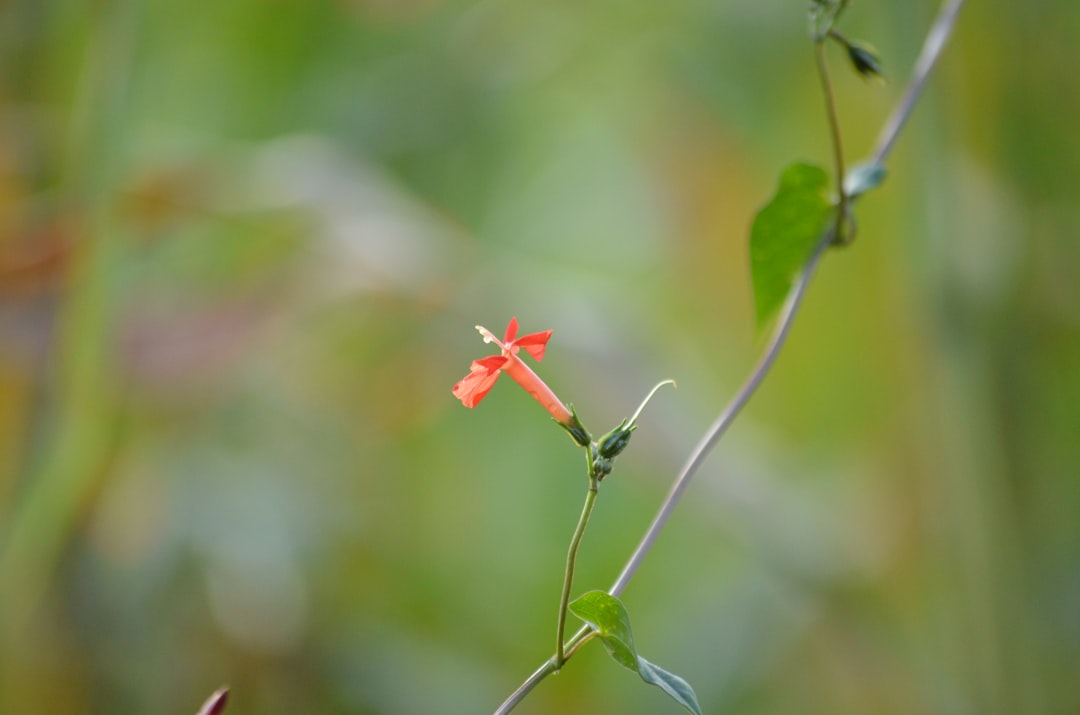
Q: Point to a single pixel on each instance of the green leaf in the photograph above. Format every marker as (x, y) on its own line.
(608, 617)
(670, 683)
(784, 235)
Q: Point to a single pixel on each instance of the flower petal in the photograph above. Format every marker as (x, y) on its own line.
(482, 376)
(534, 343)
(523, 375)
(511, 331)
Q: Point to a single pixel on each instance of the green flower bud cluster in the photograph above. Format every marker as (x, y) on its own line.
(610, 446)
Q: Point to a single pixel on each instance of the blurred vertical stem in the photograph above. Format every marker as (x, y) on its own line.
(79, 442)
(834, 133)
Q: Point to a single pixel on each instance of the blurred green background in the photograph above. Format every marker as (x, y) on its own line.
(243, 246)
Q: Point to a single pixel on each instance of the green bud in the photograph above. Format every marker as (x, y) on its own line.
(614, 442)
(865, 62)
(602, 468)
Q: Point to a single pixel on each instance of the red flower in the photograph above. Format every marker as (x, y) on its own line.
(484, 372)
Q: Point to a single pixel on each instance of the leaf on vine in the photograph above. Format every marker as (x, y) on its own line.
(784, 234)
(608, 617)
(673, 685)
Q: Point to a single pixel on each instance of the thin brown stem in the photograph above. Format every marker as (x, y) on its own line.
(834, 135)
(831, 113)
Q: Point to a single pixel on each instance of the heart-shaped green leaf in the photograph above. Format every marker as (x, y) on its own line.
(609, 618)
(784, 235)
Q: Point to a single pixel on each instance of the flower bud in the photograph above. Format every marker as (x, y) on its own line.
(614, 442)
(865, 62)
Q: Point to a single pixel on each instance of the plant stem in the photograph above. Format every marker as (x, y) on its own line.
(580, 638)
(928, 56)
(571, 562)
(525, 688)
(834, 133)
(717, 429)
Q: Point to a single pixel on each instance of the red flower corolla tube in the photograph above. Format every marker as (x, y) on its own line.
(484, 372)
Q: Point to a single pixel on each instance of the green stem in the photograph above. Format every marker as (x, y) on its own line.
(571, 562)
(581, 638)
(834, 131)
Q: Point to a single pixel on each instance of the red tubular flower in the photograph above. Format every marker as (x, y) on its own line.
(484, 372)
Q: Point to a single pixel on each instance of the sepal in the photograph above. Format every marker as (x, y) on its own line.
(575, 429)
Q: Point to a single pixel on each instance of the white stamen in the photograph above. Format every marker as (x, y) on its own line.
(488, 337)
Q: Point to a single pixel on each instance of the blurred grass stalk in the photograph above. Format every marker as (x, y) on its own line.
(82, 412)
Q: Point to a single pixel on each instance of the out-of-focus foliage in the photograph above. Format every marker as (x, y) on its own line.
(242, 248)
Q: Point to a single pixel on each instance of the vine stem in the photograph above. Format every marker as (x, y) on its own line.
(724, 420)
(580, 638)
(935, 41)
(834, 126)
(933, 45)
(571, 561)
